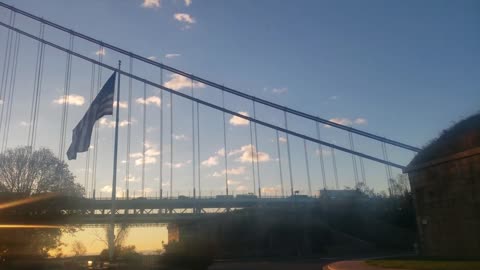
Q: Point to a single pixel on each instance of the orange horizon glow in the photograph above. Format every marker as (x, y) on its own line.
(27, 200)
(30, 226)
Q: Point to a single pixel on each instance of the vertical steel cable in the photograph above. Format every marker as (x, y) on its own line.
(354, 160)
(253, 162)
(362, 170)
(280, 164)
(35, 82)
(171, 145)
(95, 139)
(388, 170)
(288, 154)
(66, 93)
(144, 136)
(256, 150)
(87, 160)
(36, 112)
(161, 135)
(129, 128)
(335, 172)
(225, 144)
(193, 144)
(307, 167)
(198, 151)
(320, 155)
(6, 66)
(13, 76)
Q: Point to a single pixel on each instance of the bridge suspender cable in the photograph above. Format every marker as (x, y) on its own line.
(256, 150)
(280, 164)
(95, 139)
(171, 144)
(87, 158)
(225, 144)
(288, 154)
(198, 152)
(218, 108)
(335, 172)
(210, 83)
(162, 103)
(388, 169)
(6, 66)
(193, 142)
(354, 160)
(307, 167)
(129, 129)
(10, 89)
(320, 156)
(144, 136)
(251, 157)
(65, 100)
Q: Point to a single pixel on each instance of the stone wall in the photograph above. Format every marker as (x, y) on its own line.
(447, 200)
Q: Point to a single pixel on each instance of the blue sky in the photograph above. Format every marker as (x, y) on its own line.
(404, 70)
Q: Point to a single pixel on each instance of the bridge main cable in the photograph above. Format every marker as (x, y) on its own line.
(213, 106)
(213, 84)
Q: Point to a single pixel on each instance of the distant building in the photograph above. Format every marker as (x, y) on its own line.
(445, 182)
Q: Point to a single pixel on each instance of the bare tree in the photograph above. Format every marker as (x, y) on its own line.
(78, 248)
(28, 172)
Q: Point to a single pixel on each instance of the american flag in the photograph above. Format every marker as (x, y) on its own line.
(102, 105)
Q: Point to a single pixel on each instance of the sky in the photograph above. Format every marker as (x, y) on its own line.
(404, 70)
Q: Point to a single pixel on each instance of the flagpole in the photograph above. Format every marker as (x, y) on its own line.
(111, 238)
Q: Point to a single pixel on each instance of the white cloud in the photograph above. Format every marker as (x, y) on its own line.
(238, 121)
(282, 139)
(211, 161)
(281, 90)
(123, 104)
(154, 100)
(178, 82)
(152, 152)
(221, 152)
(101, 52)
(131, 178)
(233, 171)
(347, 121)
(104, 122)
(178, 165)
(360, 121)
(75, 100)
(244, 154)
(184, 17)
(188, 2)
(148, 160)
(241, 188)
(180, 137)
(151, 3)
(172, 55)
(334, 97)
(153, 58)
(24, 124)
(136, 155)
(271, 190)
(233, 182)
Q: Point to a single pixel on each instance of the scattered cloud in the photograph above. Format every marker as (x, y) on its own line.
(152, 152)
(238, 121)
(233, 182)
(347, 121)
(75, 100)
(123, 104)
(210, 162)
(136, 155)
(271, 190)
(151, 3)
(282, 139)
(279, 91)
(178, 82)
(151, 100)
(233, 171)
(334, 97)
(184, 17)
(180, 137)
(188, 2)
(241, 188)
(172, 55)
(360, 121)
(104, 122)
(24, 124)
(102, 52)
(244, 154)
(131, 178)
(153, 58)
(148, 160)
(178, 165)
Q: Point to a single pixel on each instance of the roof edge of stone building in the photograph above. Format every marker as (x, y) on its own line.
(460, 137)
(434, 162)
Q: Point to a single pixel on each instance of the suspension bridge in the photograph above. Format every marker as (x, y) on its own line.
(179, 98)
